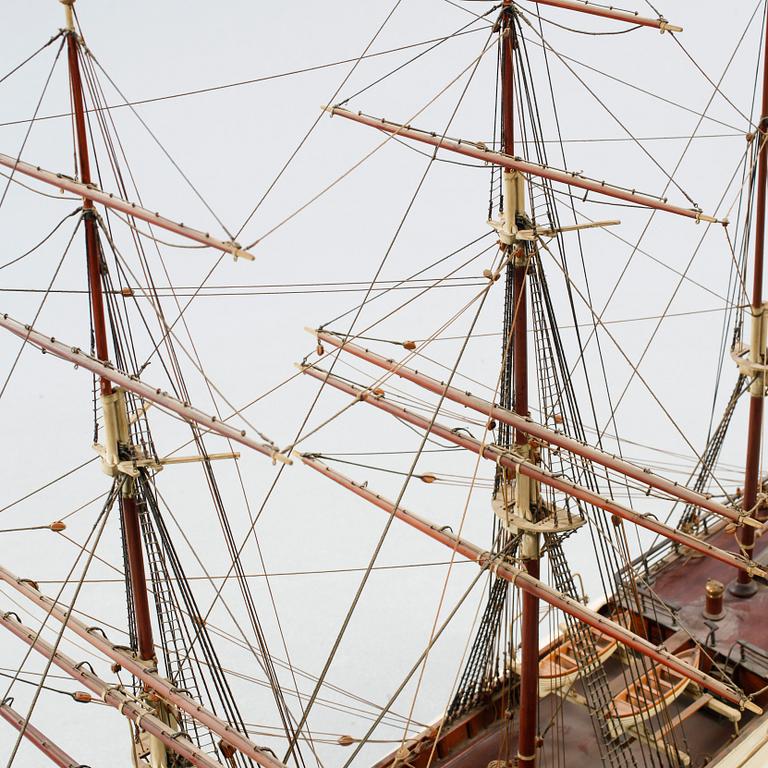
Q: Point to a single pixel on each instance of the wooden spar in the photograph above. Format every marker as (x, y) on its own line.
(527, 583)
(134, 551)
(132, 532)
(607, 12)
(49, 748)
(92, 249)
(164, 688)
(112, 695)
(510, 461)
(540, 432)
(133, 384)
(518, 262)
(478, 151)
(744, 586)
(91, 192)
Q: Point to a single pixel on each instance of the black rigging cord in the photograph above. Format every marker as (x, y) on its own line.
(265, 78)
(96, 532)
(587, 31)
(336, 357)
(70, 694)
(40, 306)
(30, 57)
(32, 121)
(42, 242)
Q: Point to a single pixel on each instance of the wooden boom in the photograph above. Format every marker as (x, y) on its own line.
(35, 736)
(164, 688)
(133, 384)
(540, 432)
(518, 577)
(607, 12)
(107, 199)
(511, 461)
(112, 695)
(479, 151)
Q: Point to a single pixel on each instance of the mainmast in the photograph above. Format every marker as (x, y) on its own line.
(745, 586)
(519, 259)
(117, 438)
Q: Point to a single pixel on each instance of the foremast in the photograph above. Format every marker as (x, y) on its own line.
(158, 709)
(116, 445)
(116, 426)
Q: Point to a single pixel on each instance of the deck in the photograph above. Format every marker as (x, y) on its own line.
(702, 736)
(572, 742)
(681, 584)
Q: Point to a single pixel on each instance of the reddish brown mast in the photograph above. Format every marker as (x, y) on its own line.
(89, 219)
(745, 586)
(93, 256)
(529, 661)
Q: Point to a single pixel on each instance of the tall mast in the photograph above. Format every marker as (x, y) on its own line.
(744, 586)
(513, 202)
(113, 401)
(89, 217)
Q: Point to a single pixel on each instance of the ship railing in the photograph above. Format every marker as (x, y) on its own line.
(749, 656)
(647, 564)
(636, 597)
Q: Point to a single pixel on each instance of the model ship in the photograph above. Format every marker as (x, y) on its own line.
(669, 668)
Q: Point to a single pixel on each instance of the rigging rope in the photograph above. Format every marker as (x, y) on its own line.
(96, 531)
(32, 121)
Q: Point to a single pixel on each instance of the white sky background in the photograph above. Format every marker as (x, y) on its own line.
(231, 143)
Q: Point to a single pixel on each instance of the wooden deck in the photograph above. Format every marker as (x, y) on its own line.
(689, 723)
(681, 583)
(485, 735)
(703, 734)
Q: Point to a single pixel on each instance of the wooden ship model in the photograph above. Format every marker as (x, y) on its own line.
(669, 668)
